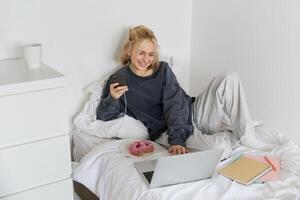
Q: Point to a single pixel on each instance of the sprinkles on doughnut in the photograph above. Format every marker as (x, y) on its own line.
(148, 146)
(138, 148)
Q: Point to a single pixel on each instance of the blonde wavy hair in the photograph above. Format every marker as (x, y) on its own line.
(136, 37)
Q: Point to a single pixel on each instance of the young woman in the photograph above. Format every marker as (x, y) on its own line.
(154, 96)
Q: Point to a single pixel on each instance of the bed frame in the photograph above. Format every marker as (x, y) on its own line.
(83, 192)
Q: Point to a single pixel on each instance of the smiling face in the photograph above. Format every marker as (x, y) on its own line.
(142, 57)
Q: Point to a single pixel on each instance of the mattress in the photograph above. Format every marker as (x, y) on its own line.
(109, 173)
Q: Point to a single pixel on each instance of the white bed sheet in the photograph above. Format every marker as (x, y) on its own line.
(84, 143)
(108, 173)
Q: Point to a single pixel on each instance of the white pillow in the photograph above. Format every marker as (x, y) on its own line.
(96, 87)
(124, 127)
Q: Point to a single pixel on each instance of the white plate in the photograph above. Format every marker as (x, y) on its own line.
(124, 149)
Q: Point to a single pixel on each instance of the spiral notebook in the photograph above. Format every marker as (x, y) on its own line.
(245, 170)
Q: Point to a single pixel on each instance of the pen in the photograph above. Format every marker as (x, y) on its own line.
(269, 161)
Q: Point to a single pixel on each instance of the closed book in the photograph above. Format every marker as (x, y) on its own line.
(273, 175)
(245, 170)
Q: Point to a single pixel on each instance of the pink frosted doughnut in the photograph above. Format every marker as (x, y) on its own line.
(148, 146)
(137, 148)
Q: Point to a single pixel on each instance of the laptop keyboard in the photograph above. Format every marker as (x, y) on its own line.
(148, 175)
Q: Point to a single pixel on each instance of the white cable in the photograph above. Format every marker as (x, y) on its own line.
(125, 111)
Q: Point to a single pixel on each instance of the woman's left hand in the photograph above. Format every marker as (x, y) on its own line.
(177, 149)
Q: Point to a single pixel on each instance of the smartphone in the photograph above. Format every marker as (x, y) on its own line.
(118, 78)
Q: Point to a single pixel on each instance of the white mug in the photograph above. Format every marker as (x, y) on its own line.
(32, 54)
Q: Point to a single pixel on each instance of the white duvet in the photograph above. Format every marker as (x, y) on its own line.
(110, 174)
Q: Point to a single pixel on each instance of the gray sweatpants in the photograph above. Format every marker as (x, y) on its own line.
(220, 117)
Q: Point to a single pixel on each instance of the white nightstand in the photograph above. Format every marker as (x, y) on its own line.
(35, 161)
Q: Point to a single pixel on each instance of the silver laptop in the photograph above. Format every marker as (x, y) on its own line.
(179, 168)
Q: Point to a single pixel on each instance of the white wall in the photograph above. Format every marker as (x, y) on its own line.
(259, 39)
(82, 39)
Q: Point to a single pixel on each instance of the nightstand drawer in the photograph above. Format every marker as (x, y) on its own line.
(62, 190)
(34, 164)
(32, 116)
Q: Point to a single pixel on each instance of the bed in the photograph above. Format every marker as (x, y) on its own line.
(105, 169)
(109, 173)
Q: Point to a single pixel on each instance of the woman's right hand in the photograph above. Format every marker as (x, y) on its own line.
(117, 91)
